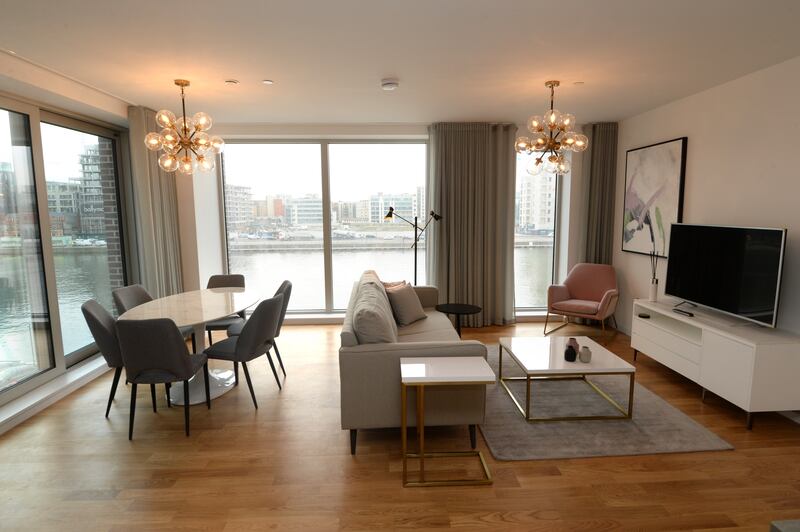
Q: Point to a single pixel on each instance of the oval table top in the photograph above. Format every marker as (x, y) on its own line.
(195, 307)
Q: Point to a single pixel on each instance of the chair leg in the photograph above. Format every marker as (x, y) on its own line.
(194, 344)
(603, 325)
(205, 380)
(210, 341)
(274, 372)
(114, 383)
(153, 396)
(186, 405)
(168, 386)
(473, 436)
(278, 354)
(249, 383)
(353, 438)
(133, 409)
(546, 319)
(236, 373)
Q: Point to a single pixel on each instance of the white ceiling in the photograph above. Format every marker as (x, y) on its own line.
(455, 59)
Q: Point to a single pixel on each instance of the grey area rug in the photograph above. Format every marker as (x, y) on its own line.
(656, 427)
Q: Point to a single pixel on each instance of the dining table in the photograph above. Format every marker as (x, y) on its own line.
(195, 309)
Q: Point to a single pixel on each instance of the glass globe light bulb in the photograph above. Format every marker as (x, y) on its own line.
(568, 140)
(168, 162)
(535, 166)
(169, 138)
(217, 144)
(522, 145)
(552, 118)
(184, 125)
(202, 122)
(201, 142)
(567, 122)
(153, 141)
(186, 164)
(165, 118)
(563, 166)
(535, 124)
(540, 141)
(581, 143)
(205, 162)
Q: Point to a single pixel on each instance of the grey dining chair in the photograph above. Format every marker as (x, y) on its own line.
(154, 352)
(222, 324)
(128, 297)
(255, 340)
(285, 289)
(103, 327)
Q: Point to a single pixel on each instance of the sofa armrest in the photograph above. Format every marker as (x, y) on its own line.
(398, 350)
(608, 304)
(556, 293)
(428, 295)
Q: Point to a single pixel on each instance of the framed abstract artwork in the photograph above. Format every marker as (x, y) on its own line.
(654, 177)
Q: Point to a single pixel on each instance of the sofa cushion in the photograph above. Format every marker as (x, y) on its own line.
(577, 306)
(405, 304)
(369, 277)
(373, 322)
(435, 321)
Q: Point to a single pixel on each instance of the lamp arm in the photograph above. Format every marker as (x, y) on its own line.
(425, 227)
(394, 213)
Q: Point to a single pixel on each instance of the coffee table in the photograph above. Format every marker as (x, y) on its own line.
(422, 372)
(542, 358)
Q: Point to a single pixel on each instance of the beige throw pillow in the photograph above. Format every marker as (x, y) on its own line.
(405, 304)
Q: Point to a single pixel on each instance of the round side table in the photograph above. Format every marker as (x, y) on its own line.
(458, 310)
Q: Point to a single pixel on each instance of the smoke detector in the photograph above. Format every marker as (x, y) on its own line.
(389, 84)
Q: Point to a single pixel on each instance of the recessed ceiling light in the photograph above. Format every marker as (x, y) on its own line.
(231, 81)
(389, 84)
(578, 82)
(267, 82)
(12, 52)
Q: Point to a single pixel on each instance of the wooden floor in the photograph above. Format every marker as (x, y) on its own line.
(288, 465)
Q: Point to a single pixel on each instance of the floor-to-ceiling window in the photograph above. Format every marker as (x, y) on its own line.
(534, 235)
(313, 213)
(82, 201)
(26, 347)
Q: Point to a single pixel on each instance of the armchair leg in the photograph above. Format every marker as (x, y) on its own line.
(603, 325)
(546, 332)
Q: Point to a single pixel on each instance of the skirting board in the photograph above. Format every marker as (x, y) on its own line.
(30, 404)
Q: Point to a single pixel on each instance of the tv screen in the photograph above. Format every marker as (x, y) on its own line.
(733, 269)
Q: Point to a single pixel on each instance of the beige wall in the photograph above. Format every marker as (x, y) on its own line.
(742, 169)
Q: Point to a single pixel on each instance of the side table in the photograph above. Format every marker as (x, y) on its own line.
(421, 372)
(458, 310)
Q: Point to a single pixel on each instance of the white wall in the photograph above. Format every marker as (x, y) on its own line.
(741, 169)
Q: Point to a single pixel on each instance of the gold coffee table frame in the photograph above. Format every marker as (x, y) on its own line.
(421, 454)
(526, 412)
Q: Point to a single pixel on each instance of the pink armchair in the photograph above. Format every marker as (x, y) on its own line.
(589, 291)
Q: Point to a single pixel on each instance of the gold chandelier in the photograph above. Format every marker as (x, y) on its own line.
(184, 141)
(552, 138)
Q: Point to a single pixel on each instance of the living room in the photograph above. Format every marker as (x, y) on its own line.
(367, 265)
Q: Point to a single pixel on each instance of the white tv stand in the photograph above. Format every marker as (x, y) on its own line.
(753, 367)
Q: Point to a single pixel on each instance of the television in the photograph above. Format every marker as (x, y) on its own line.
(736, 270)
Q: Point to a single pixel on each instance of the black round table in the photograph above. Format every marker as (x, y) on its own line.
(458, 310)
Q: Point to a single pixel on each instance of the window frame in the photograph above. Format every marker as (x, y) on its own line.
(327, 236)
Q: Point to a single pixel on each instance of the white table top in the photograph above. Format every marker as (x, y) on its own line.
(196, 307)
(445, 370)
(545, 356)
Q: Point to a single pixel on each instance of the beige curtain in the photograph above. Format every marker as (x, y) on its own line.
(154, 213)
(471, 183)
(602, 171)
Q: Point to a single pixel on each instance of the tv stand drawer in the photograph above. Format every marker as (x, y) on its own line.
(659, 330)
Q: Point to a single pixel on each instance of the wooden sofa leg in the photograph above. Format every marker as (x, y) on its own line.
(353, 435)
(473, 436)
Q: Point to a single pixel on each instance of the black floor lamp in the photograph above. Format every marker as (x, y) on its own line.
(417, 231)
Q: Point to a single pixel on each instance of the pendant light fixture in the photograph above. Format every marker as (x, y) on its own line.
(184, 141)
(552, 136)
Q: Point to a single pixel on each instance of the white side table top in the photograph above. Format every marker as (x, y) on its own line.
(445, 370)
(196, 307)
(545, 356)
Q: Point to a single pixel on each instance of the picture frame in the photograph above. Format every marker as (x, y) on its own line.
(653, 196)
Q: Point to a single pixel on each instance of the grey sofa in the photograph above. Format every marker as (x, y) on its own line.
(370, 373)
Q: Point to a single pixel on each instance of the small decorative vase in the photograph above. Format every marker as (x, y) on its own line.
(585, 354)
(570, 354)
(654, 290)
(572, 342)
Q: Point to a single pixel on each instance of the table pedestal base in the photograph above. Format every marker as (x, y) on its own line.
(219, 382)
